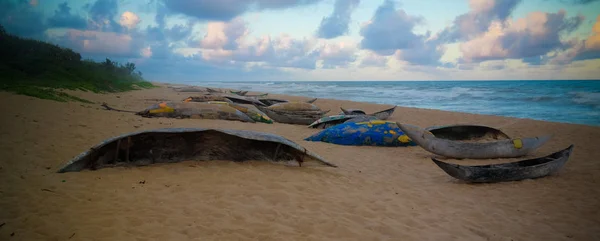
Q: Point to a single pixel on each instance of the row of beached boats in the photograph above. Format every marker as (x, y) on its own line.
(349, 127)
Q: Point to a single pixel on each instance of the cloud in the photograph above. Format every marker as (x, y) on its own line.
(63, 18)
(337, 55)
(586, 49)
(224, 35)
(228, 43)
(473, 23)
(280, 51)
(102, 16)
(389, 30)
(186, 69)
(98, 43)
(579, 2)
(129, 20)
(373, 60)
(226, 10)
(526, 38)
(21, 19)
(336, 24)
(427, 52)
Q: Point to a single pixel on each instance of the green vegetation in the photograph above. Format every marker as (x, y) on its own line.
(35, 68)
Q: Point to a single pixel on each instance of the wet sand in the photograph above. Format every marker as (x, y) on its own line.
(376, 193)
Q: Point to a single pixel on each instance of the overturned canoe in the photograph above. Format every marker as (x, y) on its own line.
(473, 150)
(214, 91)
(294, 106)
(241, 92)
(330, 121)
(295, 117)
(381, 115)
(171, 145)
(257, 95)
(270, 102)
(352, 112)
(224, 97)
(187, 89)
(372, 133)
(194, 110)
(362, 118)
(207, 98)
(467, 132)
(250, 110)
(384, 114)
(512, 171)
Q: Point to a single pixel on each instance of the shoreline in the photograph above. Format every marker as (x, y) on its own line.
(410, 107)
(375, 192)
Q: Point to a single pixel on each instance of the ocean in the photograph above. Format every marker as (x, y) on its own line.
(571, 101)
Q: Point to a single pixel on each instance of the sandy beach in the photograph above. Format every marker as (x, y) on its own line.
(376, 193)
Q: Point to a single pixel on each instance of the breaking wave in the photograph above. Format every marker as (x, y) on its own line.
(561, 101)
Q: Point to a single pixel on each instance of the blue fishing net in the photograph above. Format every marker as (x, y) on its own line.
(373, 133)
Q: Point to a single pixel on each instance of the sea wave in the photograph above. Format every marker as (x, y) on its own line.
(552, 101)
(587, 98)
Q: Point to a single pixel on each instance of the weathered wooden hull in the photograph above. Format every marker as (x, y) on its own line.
(270, 102)
(224, 97)
(352, 112)
(171, 145)
(467, 132)
(381, 115)
(384, 114)
(194, 110)
(473, 150)
(330, 121)
(250, 110)
(372, 133)
(505, 172)
(294, 106)
(241, 92)
(296, 118)
(207, 98)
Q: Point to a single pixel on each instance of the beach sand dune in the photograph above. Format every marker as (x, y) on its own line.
(377, 193)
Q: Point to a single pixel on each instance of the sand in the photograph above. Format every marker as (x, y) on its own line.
(377, 193)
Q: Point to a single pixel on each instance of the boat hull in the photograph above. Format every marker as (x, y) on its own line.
(473, 150)
(514, 171)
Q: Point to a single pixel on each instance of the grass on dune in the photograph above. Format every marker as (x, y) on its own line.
(43, 70)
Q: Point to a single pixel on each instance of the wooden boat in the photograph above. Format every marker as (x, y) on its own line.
(467, 132)
(271, 101)
(224, 97)
(474, 150)
(258, 95)
(294, 106)
(293, 117)
(512, 171)
(240, 93)
(381, 115)
(330, 121)
(190, 110)
(214, 91)
(170, 145)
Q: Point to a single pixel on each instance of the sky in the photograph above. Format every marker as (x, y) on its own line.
(283, 40)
